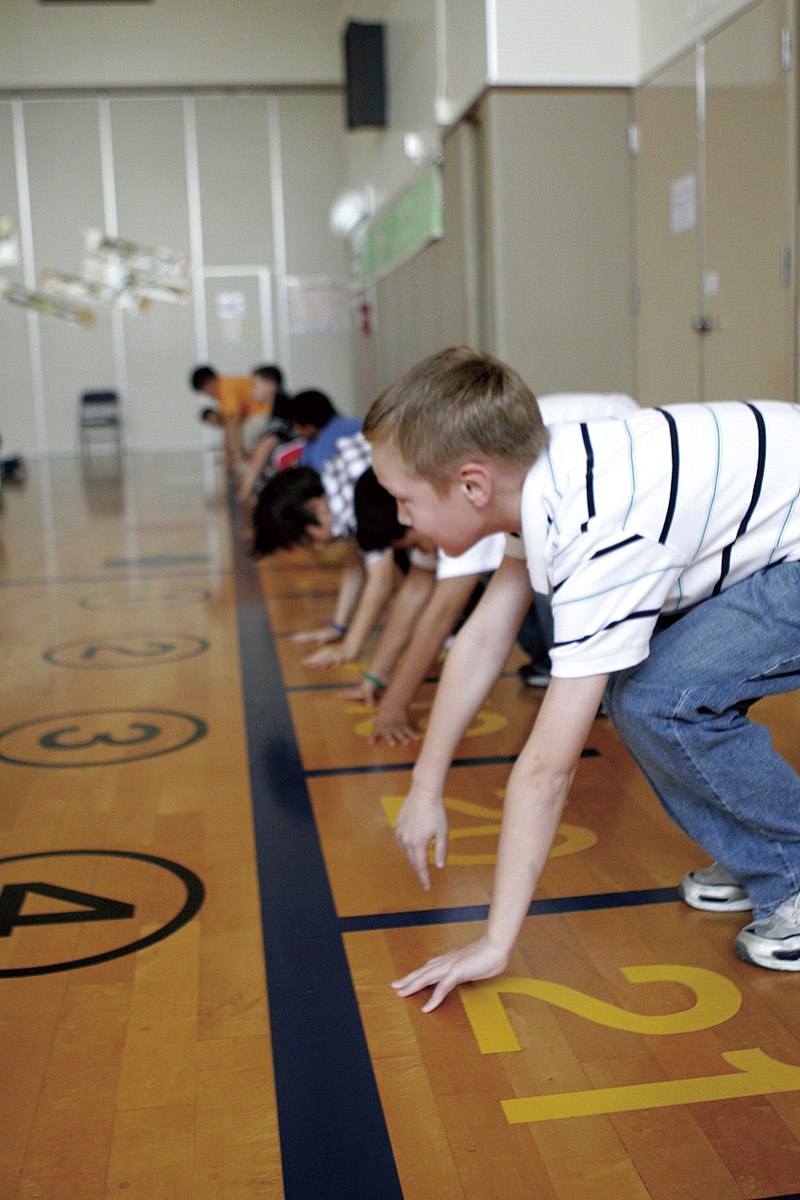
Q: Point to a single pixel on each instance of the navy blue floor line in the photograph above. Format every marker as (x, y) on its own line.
(479, 912)
(333, 1136)
(378, 768)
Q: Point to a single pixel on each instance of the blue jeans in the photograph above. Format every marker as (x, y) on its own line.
(682, 713)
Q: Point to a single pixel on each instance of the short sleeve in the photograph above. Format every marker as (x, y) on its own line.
(485, 555)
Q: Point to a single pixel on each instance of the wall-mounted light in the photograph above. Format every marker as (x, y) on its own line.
(349, 209)
(414, 146)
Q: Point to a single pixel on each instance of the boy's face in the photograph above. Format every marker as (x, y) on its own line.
(263, 389)
(319, 534)
(309, 432)
(448, 518)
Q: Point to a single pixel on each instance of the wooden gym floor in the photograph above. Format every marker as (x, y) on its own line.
(202, 907)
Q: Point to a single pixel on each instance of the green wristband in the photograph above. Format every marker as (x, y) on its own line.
(373, 679)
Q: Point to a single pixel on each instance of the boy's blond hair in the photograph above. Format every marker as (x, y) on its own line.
(455, 406)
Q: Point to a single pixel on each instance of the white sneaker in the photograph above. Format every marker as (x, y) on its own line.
(773, 942)
(714, 889)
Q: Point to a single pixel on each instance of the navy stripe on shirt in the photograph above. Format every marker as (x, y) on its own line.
(673, 487)
(590, 509)
(634, 616)
(635, 537)
(757, 485)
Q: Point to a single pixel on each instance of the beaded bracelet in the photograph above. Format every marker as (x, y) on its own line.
(373, 679)
(340, 629)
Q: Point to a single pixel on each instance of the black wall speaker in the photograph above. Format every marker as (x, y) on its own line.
(365, 74)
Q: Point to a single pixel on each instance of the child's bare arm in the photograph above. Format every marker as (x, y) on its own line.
(537, 791)
(258, 461)
(436, 622)
(473, 664)
(233, 448)
(410, 601)
(350, 585)
(374, 597)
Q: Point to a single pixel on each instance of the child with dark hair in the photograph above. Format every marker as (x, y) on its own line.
(286, 515)
(304, 507)
(270, 438)
(315, 418)
(235, 402)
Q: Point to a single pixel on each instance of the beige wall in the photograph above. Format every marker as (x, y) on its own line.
(584, 42)
(558, 233)
(433, 300)
(668, 30)
(724, 117)
(551, 264)
(169, 43)
(241, 184)
(535, 263)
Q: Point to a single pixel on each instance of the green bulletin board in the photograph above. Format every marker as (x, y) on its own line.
(412, 222)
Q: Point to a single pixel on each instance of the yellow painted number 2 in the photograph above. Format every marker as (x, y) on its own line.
(716, 1000)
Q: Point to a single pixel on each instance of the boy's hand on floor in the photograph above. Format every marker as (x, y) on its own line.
(394, 727)
(360, 693)
(329, 656)
(316, 637)
(479, 960)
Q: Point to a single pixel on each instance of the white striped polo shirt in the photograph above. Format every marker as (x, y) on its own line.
(624, 520)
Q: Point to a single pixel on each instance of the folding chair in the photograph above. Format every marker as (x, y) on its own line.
(100, 412)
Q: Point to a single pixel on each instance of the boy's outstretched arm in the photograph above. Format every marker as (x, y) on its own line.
(378, 587)
(350, 585)
(233, 447)
(410, 600)
(537, 790)
(258, 461)
(436, 623)
(474, 662)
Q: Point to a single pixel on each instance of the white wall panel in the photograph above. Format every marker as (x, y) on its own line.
(66, 196)
(17, 415)
(233, 155)
(151, 207)
(312, 172)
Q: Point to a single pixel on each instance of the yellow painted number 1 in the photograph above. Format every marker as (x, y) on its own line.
(716, 1000)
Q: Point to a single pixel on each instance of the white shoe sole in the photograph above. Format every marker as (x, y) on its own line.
(770, 953)
(714, 897)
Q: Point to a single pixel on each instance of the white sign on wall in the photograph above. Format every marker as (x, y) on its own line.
(683, 204)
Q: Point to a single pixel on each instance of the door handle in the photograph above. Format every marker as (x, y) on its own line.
(702, 324)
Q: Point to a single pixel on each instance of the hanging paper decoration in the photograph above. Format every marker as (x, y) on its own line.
(77, 288)
(48, 306)
(115, 274)
(151, 272)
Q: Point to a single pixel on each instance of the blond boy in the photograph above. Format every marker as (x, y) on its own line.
(689, 513)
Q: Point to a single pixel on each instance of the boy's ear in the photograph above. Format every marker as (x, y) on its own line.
(476, 482)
